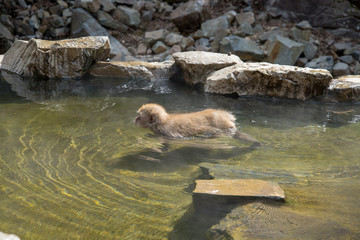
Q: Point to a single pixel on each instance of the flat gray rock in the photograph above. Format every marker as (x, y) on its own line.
(239, 188)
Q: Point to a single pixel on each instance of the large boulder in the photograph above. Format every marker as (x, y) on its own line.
(270, 80)
(188, 16)
(196, 65)
(244, 48)
(55, 59)
(344, 89)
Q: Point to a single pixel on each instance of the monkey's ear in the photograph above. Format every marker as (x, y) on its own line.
(152, 119)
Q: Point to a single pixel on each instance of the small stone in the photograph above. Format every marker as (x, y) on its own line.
(34, 22)
(57, 21)
(67, 13)
(128, 16)
(245, 17)
(198, 34)
(298, 34)
(174, 49)
(340, 47)
(187, 42)
(159, 47)
(239, 188)
(147, 16)
(173, 38)
(211, 26)
(347, 59)
(107, 5)
(244, 48)
(244, 30)
(310, 50)
(202, 44)
(107, 20)
(62, 4)
(323, 62)
(141, 49)
(153, 36)
(230, 16)
(90, 5)
(258, 29)
(340, 69)
(301, 62)
(304, 25)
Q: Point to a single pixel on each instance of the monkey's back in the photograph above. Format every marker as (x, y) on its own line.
(209, 121)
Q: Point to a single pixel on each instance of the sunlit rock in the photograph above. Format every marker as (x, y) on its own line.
(239, 188)
(344, 89)
(271, 80)
(196, 65)
(55, 59)
(133, 70)
(5, 236)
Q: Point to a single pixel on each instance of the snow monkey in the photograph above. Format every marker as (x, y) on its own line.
(207, 122)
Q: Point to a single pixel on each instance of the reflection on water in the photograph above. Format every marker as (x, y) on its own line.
(73, 166)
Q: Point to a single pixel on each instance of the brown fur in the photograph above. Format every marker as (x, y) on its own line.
(209, 121)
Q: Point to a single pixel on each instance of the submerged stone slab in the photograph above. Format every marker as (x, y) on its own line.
(133, 70)
(56, 59)
(240, 188)
(196, 65)
(344, 89)
(271, 80)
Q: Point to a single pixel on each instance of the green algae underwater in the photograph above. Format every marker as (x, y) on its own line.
(74, 166)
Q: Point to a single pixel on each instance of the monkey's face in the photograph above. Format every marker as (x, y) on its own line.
(144, 119)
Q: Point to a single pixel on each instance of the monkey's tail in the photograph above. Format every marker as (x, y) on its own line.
(247, 138)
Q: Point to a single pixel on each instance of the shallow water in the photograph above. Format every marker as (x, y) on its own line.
(73, 165)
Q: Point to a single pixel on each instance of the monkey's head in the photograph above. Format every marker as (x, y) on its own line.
(149, 115)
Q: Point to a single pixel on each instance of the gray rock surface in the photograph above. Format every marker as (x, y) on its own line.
(55, 59)
(282, 50)
(340, 69)
(242, 47)
(128, 16)
(189, 16)
(106, 20)
(211, 26)
(323, 62)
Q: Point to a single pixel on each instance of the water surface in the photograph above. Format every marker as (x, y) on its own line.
(74, 166)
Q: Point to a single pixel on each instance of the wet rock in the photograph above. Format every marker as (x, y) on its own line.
(324, 62)
(340, 69)
(239, 188)
(159, 47)
(84, 24)
(55, 59)
(128, 16)
(197, 65)
(148, 71)
(270, 80)
(173, 38)
(283, 51)
(211, 26)
(107, 20)
(244, 48)
(344, 89)
(273, 220)
(154, 36)
(5, 236)
(190, 15)
(247, 17)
